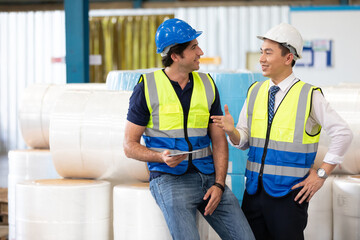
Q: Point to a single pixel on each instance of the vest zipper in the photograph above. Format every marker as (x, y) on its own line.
(265, 148)
(187, 138)
(265, 151)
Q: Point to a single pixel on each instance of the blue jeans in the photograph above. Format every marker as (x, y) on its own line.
(180, 196)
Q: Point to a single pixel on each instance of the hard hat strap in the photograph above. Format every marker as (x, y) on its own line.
(166, 50)
(291, 49)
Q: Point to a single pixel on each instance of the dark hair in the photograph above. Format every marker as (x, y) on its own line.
(284, 51)
(177, 49)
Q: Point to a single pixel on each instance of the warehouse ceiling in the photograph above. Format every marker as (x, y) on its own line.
(31, 5)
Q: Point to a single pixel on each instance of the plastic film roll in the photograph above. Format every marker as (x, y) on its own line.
(320, 213)
(26, 165)
(36, 106)
(58, 209)
(136, 214)
(346, 207)
(86, 136)
(345, 100)
(206, 232)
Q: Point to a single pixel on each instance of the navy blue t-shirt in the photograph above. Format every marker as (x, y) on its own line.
(139, 114)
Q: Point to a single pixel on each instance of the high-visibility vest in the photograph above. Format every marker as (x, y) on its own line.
(280, 154)
(168, 127)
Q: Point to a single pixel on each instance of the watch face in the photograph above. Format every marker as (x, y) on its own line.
(321, 172)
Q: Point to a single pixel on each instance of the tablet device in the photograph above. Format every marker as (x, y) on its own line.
(181, 153)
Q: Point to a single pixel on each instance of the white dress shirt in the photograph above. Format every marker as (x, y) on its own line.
(321, 113)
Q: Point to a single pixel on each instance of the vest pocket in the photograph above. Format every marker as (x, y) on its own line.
(282, 134)
(201, 120)
(171, 117)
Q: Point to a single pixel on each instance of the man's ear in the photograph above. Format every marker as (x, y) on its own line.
(289, 59)
(174, 57)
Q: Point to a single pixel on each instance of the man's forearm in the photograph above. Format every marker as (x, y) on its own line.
(140, 152)
(234, 136)
(221, 156)
(220, 153)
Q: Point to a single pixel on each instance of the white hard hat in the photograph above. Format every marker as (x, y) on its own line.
(288, 36)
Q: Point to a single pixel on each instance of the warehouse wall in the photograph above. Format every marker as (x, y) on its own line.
(230, 32)
(28, 41)
(339, 24)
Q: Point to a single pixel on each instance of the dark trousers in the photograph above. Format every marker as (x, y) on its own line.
(275, 218)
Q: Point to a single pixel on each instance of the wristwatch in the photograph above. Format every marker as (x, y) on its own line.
(321, 173)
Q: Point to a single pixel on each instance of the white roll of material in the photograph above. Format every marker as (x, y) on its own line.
(58, 209)
(346, 206)
(345, 100)
(26, 165)
(320, 213)
(136, 214)
(86, 136)
(36, 107)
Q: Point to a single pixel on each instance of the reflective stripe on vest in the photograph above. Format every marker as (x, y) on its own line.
(165, 130)
(290, 151)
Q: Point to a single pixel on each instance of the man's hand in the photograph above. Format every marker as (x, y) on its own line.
(225, 122)
(215, 195)
(310, 185)
(172, 161)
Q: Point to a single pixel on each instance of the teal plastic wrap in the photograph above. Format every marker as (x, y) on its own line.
(237, 185)
(124, 80)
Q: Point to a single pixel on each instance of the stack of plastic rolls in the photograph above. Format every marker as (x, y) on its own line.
(35, 110)
(86, 137)
(345, 100)
(320, 213)
(26, 165)
(36, 106)
(136, 214)
(346, 206)
(58, 209)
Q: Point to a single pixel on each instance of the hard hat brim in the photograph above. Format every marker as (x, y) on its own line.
(263, 38)
(196, 35)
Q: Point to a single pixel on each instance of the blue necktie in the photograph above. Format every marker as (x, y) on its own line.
(273, 90)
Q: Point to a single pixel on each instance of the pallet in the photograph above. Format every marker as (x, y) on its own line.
(4, 232)
(3, 195)
(4, 208)
(4, 220)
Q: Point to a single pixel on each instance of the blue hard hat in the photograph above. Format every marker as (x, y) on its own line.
(174, 31)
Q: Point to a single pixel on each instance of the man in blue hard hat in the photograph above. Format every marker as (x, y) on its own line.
(187, 154)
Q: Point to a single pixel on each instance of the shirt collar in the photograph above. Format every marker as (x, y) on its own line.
(285, 84)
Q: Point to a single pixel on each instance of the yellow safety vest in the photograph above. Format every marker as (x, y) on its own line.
(166, 129)
(281, 154)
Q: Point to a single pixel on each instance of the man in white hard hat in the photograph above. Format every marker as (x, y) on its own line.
(170, 108)
(280, 124)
